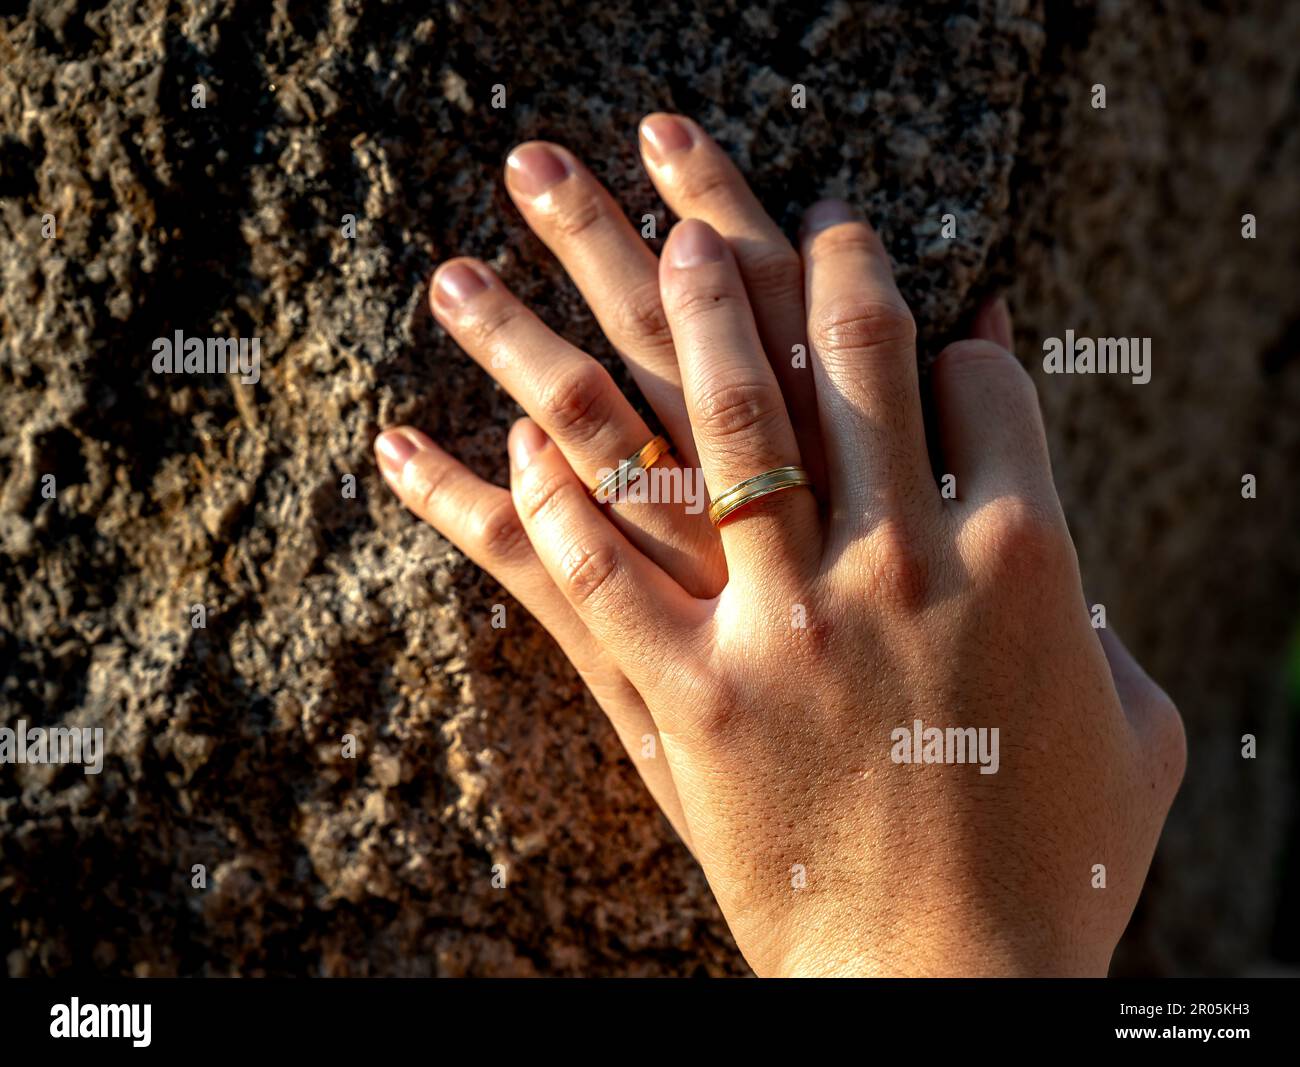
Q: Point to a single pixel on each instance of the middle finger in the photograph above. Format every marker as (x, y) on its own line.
(698, 180)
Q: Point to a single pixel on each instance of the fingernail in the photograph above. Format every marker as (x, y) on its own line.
(534, 168)
(694, 243)
(526, 442)
(394, 448)
(456, 283)
(666, 134)
(825, 214)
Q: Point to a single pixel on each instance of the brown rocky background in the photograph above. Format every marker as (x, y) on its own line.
(329, 615)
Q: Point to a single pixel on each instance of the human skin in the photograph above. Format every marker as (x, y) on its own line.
(771, 659)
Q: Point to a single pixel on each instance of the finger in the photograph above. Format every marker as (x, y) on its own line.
(698, 180)
(1137, 690)
(993, 323)
(575, 401)
(738, 414)
(990, 427)
(632, 608)
(480, 519)
(613, 268)
(863, 343)
(1153, 715)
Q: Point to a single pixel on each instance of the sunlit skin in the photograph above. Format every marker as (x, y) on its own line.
(770, 659)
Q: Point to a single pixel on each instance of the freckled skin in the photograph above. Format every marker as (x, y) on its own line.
(769, 660)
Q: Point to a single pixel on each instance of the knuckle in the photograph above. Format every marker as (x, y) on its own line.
(422, 482)
(899, 575)
(491, 326)
(710, 713)
(810, 633)
(587, 570)
(854, 327)
(977, 356)
(1021, 538)
(738, 409)
(640, 314)
(540, 491)
(854, 238)
(702, 298)
(702, 183)
(501, 533)
(773, 272)
(576, 403)
(577, 217)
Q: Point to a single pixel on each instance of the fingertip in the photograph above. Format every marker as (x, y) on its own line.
(399, 452)
(993, 323)
(394, 446)
(456, 282)
(823, 215)
(535, 167)
(663, 135)
(526, 441)
(694, 243)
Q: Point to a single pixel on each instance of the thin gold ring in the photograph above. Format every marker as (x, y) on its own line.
(746, 492)
(646, 456)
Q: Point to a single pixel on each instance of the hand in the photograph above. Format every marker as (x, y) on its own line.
(782, 668)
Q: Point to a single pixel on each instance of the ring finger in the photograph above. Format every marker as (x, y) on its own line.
(738, 415)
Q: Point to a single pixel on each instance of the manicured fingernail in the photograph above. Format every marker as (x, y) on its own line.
(534, 168)
(824, 214)
(526, 441)
(456, 283)
(695, 243)
(394, 448)
(666, 134)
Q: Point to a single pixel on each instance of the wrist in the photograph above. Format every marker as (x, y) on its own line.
(936, 954)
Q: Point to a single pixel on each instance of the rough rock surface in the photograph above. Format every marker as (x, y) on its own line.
(329, 615)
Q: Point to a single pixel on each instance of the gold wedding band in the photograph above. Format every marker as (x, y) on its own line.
(746, 492)
(645, 456)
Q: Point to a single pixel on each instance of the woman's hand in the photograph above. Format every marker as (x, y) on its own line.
(786, 668)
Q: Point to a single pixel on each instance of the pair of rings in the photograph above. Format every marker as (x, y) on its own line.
(740, 495)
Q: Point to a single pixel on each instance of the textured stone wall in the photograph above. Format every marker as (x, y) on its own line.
(328, 615)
